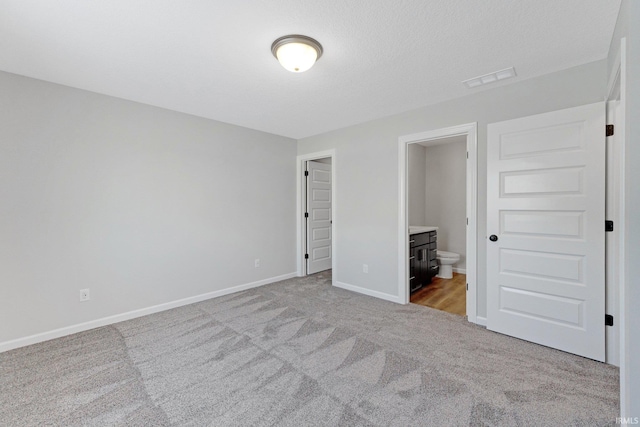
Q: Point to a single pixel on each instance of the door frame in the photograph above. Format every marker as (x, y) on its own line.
(614, 208)
(301, 189)
(616, 82)
(471, 131)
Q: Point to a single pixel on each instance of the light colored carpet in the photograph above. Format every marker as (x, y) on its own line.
(296, 353)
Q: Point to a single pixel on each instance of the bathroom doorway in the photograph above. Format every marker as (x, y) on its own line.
(437, 198)
(438, 175)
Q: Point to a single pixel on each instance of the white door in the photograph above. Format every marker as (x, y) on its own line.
(545, 227)
(318, 217)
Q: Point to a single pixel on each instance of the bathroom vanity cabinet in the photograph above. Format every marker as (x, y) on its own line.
(423, 264)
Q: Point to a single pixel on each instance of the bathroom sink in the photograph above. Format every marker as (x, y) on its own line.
(416, 229)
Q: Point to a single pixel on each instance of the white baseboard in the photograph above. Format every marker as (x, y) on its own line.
(459, 270)
(369, 292)
(73, 329)
(482, 321)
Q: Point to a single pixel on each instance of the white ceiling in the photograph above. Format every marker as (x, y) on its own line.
(212, 58)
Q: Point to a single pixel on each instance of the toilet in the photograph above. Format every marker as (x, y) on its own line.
(446, 261)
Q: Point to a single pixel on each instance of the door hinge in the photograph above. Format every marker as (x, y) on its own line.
(608, 130)
(306, 173)
(608, 320)
(608, 225)
(467, 154)
(467, 221)
(306, 214)
(467, 286)
(306, 256)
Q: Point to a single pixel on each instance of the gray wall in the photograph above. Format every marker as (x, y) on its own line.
(628, 26)
(366, 229)
(142, 205)
(416, 184)
(446, 196)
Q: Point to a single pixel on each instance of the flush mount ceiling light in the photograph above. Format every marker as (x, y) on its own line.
(507, 73)
(296, 53)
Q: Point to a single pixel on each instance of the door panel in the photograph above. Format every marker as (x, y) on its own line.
(542, 223)
(543, 182)
(319, 220)
(537, 305)
(545, 204)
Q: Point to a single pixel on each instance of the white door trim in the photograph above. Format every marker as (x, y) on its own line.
(471, 130)
(615, 260)
(300, 209)
(619, 67)
(613, 202)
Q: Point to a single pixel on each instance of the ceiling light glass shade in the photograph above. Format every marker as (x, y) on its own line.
(297, 57)
(296, 53)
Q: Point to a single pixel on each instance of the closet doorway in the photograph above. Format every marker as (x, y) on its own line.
(317, 215)
(316, 195)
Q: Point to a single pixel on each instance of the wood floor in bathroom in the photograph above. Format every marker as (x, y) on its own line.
(448, 295)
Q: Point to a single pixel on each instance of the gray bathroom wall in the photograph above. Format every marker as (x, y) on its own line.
(416, 185)
(445, 196)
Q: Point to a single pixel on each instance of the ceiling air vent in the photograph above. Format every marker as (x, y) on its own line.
(507, 73)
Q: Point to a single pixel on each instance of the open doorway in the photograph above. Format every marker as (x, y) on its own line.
(316, 214)
(436, 198)
(426, 226)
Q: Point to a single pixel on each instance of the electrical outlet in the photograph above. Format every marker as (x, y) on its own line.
(84, 295)
(365, 268)
(256, 263)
